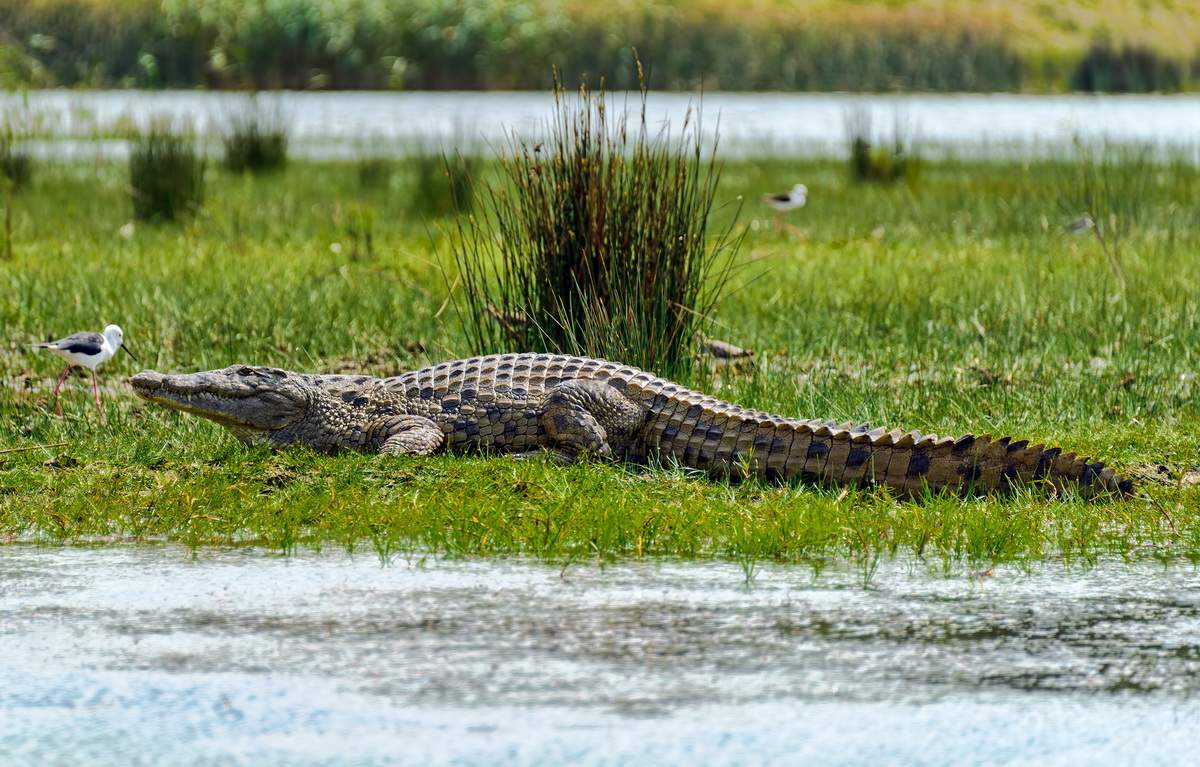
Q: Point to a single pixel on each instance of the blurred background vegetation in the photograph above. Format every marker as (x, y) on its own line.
(791, 45)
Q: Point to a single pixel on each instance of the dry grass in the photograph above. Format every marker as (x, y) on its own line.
(1031, 26)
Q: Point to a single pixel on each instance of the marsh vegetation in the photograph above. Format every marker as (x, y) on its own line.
(599, 240)
(956, 304)
(166, 174)
(255, 140)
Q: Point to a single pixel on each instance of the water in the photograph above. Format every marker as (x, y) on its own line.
(144, 655)
(351, 123)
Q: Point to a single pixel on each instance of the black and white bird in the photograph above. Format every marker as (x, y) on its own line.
(786, 201)
(1084, 223)
(88, 350)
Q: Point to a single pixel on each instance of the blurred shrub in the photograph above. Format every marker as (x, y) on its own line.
(166, 174)
(16, 69)
(255, 142)
(131, 43)
(735, 53)
(16, 166)
(879, 164)
(358, 223)
(374, 172)
(1130, 69)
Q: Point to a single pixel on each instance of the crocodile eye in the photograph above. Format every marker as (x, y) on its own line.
(246, 371)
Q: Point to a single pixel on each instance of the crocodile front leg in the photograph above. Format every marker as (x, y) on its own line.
(408, 435)
(587, 417)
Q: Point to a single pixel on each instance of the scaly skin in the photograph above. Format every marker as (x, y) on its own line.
(579, 406)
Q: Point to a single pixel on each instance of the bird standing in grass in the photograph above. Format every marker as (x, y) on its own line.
(786, 201)
(88, 350)
(1084, 223)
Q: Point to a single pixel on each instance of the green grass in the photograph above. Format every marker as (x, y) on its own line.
(956, 304)
(442, 179)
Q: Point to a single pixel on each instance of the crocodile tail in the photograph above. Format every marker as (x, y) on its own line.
(912, 463)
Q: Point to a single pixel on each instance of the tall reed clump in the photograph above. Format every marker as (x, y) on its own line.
(879, 164)
(255, 142)
(597, 241)
(166, 174)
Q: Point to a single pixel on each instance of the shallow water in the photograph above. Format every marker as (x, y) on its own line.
(145, 655)
(352, 123)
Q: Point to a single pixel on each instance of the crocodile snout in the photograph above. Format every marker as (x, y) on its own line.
(146, 382)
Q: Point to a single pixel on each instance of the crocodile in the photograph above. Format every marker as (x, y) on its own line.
(579, 407)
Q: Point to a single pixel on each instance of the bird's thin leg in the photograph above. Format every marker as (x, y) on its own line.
(96, 392)
(778, 221)
(58, 388)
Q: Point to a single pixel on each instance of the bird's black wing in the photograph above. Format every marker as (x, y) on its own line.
(81, 343)
(89, 349)
(781, 197)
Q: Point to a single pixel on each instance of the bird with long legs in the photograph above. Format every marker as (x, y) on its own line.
(786, 201)
(87, 350)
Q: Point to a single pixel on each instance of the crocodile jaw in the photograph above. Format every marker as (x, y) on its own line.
(246, 400)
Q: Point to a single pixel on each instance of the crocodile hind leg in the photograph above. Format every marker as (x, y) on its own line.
(589, 417)
(409, 435)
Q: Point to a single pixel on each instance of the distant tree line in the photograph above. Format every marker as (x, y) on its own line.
(511, 44)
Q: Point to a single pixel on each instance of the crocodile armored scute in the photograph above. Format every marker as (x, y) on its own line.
(579, 406)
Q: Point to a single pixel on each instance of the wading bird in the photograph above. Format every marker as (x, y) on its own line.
(88, 350)
(783, 202)
(1084, 223)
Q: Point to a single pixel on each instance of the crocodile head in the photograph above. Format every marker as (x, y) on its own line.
(252, 402)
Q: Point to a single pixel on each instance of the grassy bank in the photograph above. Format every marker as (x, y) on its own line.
(809, 45)
(955, 305)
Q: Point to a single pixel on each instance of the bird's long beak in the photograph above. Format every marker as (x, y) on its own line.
(125, 347)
